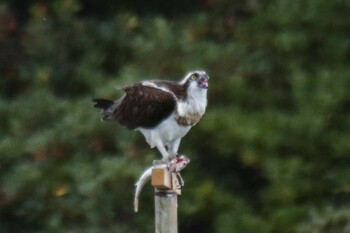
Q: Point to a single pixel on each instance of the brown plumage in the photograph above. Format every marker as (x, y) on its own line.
(143, 106)
(163, 111)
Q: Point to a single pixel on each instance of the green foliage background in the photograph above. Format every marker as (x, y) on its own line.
(271, 154)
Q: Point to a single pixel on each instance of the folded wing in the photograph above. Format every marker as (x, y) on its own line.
(143, 106)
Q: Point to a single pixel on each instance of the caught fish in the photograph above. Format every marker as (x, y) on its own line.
(175, 166)
(145, 177)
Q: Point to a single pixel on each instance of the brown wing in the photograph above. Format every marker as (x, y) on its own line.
(143, 106)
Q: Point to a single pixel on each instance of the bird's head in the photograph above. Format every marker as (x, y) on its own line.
(196, 79)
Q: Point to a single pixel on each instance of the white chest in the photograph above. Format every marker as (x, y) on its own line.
(165, 132)
(195, 103)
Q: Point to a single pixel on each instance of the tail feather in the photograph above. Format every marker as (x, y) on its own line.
(102, 103)
(105, 105)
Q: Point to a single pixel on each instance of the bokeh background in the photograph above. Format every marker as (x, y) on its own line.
(271, 155)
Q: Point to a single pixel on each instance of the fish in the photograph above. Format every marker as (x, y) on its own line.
(175, 166)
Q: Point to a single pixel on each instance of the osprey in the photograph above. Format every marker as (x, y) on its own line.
(163, 111)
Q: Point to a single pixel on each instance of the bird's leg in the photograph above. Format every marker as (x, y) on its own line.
(173, 147)
(165, 154)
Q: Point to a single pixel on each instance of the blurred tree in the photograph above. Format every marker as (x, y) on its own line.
(270, 155)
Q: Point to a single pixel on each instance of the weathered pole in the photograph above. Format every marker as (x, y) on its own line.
(166, 188)
(167, 183)
(165, 202)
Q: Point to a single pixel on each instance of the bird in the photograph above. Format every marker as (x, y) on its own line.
(162, 110)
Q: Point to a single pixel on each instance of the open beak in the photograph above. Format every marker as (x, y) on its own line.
(203, 82)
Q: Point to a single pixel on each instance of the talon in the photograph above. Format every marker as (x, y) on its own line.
(174, 156)
(158, 162)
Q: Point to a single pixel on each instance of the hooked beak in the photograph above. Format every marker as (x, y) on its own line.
(203, 82)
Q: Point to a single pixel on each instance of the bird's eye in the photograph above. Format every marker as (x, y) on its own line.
(193, 77)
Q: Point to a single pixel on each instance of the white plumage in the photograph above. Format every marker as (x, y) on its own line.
(168, 133)
(163, 111)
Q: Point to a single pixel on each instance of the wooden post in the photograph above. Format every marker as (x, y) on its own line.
(165, 200)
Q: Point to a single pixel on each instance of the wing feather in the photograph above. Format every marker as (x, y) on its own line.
(144, 106)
